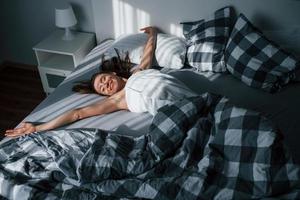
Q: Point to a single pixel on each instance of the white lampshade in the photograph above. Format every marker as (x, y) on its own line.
(65, 17)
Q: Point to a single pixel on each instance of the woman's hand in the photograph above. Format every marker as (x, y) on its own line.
(25, 128)
(149, 30)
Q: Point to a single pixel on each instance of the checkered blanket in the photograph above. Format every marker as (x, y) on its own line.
(197, 148)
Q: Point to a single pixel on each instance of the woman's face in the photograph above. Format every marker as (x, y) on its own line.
(108, 84)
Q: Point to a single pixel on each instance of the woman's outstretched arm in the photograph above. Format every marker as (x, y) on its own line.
(108, 105)
(149, 49)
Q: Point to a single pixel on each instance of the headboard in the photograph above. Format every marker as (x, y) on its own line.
(278, 18)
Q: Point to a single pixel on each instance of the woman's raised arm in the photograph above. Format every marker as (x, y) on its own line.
(149, 49)
(108, 105)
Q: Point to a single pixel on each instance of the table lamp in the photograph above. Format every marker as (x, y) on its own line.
(65, 18)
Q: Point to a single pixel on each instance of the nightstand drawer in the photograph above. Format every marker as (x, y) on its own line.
(54, 80)
(51, 78)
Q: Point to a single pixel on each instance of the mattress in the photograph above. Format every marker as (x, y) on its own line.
(282, 107)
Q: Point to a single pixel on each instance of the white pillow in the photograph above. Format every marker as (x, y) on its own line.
(170, 50)
(133, 43)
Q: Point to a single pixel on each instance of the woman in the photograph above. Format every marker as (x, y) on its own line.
(144, 91)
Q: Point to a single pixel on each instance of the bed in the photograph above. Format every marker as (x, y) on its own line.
(231, 142)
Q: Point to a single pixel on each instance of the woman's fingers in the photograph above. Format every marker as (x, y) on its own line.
(12, 135)
(25, 128)
(14, 132)
(145, 28)
(148, 29)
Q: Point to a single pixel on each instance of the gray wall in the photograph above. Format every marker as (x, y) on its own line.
(25, 23)
(279, 18)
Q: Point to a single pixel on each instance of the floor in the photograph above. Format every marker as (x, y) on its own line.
(20, 92)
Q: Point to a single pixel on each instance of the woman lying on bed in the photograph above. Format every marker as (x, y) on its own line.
(143, 91)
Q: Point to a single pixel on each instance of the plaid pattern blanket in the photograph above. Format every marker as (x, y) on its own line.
(198, 148)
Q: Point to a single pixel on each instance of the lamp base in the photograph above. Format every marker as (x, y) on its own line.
(68, 34)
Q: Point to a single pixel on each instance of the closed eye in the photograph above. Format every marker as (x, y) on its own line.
(102, 79)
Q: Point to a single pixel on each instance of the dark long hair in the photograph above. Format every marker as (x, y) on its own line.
(113, 65)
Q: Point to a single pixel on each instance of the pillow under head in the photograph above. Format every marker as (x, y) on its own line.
(170, 50)
(257, 61)
(133, 43)
(207, 40)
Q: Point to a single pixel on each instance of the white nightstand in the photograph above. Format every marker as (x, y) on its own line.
(57, 58)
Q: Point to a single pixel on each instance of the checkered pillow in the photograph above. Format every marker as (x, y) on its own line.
(207, 40)
(257, 61)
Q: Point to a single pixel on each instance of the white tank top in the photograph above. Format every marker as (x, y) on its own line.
(148, 90)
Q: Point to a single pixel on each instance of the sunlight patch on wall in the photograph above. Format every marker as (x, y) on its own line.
(127, 19)
(117, 17)
(143, 18)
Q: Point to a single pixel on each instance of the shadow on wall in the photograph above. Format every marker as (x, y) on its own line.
(79, 15)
